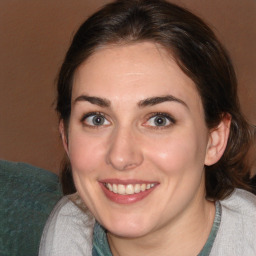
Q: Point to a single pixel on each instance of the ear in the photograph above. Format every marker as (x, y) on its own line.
(63, 136)
(218, 141)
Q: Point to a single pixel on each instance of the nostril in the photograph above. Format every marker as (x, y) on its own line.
(124, 153)
(129, 166)
(127, 161)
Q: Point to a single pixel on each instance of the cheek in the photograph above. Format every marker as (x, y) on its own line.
(85, 152)
(180, 153)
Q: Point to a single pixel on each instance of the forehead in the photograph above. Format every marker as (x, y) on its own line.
(132, 72)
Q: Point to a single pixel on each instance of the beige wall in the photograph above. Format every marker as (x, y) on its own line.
(34, 35)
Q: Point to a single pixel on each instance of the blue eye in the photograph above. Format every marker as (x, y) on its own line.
(160, 120)
(94, 119)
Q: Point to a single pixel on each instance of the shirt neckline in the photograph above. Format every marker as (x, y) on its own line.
(101, 246)
(215, 227)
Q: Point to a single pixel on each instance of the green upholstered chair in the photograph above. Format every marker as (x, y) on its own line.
(27, 196)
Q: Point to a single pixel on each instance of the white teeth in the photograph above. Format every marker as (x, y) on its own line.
(143, 187)
(109, 187)
(120, 189)
(129, 189)
(114, 188)
(137, 188)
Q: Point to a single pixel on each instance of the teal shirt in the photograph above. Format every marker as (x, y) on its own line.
(101, 246)
(100, 242)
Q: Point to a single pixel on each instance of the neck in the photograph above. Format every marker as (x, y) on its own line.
(186, 235)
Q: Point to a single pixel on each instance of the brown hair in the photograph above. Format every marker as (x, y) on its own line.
(198, 53)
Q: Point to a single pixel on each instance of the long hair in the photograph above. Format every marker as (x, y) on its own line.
(198, 53)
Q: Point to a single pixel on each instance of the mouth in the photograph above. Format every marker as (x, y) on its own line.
(128, 189)
(127, 192)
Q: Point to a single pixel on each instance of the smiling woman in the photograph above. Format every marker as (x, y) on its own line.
(156, 142)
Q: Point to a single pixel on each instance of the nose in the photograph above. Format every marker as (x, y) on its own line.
(124, 153)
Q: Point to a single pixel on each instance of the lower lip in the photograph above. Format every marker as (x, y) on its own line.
(126, 199)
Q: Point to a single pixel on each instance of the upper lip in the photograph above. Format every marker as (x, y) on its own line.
(126, 182)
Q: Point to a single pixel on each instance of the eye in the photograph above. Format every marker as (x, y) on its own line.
(160, 120)
(95, 119)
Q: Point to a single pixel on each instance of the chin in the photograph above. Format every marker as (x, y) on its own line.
(127, 233)
(128, 228)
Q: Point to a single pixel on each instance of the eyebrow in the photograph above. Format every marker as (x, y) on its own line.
(102, 102)
(160, 99)
(93, 100)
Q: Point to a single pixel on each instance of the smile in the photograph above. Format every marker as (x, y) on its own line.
(129, 189)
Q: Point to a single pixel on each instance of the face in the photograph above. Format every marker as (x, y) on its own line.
(137, 139)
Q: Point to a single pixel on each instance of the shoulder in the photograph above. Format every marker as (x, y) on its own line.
(68, 231)
(240, 202)
(236, 235)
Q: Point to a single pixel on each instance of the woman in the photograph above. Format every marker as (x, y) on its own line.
(151, 124)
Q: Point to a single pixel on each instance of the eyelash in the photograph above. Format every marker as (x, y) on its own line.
(164, 115)
(152, 115)
(91, 114)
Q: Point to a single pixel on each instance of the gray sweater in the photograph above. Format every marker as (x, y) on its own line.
(69, 229)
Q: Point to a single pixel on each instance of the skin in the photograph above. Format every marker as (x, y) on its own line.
(128, 145)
